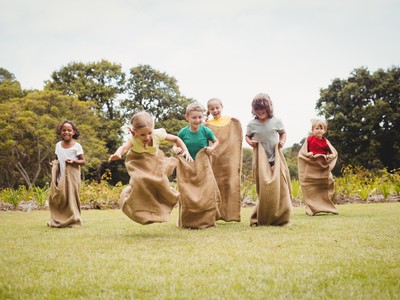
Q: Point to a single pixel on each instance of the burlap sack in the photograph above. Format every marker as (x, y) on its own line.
(149, 197)
(64, 201)
(226, 164)
(200, 197)
(316, 181)
(274, 206)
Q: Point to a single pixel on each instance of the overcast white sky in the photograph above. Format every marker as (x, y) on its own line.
(228, 49)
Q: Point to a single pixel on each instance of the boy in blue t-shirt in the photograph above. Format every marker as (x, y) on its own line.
(196, 136)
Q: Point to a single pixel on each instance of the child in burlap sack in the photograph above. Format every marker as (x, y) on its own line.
(149, 197)
(64, 200)
(226, 160)
(266, 134)
(200, 196)
(316, 159)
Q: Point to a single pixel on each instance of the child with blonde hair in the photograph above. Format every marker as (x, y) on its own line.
(195, 135)
(149, 196)
(200, 196)
(316, 159)
(227, 159)
(317, 143)
(214, 109)
(266, 134)
(145, 138)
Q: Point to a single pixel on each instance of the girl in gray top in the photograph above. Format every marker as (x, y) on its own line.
(265, 128)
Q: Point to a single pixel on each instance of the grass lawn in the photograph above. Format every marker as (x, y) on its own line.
(353, 255)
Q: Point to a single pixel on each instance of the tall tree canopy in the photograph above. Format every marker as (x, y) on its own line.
(96, 89)
(9, 86)
(101, 82)
(6, 75)
(154, 91)
(363, 112)
(28, 137)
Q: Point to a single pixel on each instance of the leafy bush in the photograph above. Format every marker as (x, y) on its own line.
(363, 183)
(296, 189)
(11, 196)
(355, 181)
(100, 195)
(40, 195)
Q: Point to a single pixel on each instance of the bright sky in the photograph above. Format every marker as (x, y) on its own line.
(230, 49)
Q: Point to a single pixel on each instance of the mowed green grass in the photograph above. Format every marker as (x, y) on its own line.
(353, 255)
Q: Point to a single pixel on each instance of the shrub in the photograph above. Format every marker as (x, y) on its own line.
(355, 181)
(11, 196)
(296, 189)
(40, 195)
(100, 195)
(358, 181)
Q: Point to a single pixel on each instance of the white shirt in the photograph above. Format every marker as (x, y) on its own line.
(69, 153)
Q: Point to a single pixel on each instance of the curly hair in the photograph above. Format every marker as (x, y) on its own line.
(59, 127)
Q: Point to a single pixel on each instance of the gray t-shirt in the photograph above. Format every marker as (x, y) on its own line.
(267, 133)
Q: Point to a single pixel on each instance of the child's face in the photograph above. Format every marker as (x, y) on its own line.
(67, 132)
(261, 114)
(318, 131)
(195, 119)
(215, 109)
(144, 134)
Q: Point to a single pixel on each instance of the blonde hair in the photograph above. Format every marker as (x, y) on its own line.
(214, 100)
(262, 101)
(194, 106)
(217, 100)
(317, 122)
(142, 119)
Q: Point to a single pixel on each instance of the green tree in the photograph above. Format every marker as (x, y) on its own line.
(102, 83)
(6, 75)
(27, 135)
(99, 82)
(9, 86)
(291, 156)
(247, 188)
(154, 91)
(364, 117)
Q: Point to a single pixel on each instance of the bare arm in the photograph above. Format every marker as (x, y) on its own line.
(177, 140)
(210, 149)
(250, 141)
(179, 143)
(120, 151)
(80, 161)
(282, 139)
